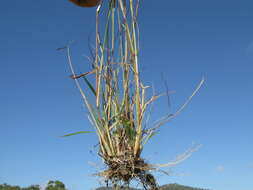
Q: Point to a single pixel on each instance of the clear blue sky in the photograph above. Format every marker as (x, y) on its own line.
(183, 39)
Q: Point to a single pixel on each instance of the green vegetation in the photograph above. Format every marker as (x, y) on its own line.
(51, 185)
(58, 185)
(9, 187)
(55, 185)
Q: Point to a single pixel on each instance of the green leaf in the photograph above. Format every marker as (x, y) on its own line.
(89, 85)
(130, 131)
(77, 133)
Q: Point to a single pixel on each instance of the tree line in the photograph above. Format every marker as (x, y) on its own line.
(51, 185)
(58, 185)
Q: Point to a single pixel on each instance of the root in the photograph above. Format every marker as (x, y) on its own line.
(126, 168)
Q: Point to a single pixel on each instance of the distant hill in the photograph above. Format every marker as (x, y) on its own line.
(164, 187)
(109, 188)
(178, 187)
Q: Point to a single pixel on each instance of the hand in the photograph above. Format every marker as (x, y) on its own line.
(86, 3)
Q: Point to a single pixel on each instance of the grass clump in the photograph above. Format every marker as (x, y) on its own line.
(119, 104)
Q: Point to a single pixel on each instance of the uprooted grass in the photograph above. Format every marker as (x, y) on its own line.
(120, 104)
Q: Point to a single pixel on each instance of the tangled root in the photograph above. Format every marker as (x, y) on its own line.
(127, 168)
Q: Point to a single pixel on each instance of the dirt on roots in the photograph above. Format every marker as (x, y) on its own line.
(127, 168)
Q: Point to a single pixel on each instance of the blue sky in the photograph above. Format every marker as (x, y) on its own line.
(182, 40)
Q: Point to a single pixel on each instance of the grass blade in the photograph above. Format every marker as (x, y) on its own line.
(89, 85)
(77, 133)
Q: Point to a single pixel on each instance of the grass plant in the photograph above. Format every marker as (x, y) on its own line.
(117, 110)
